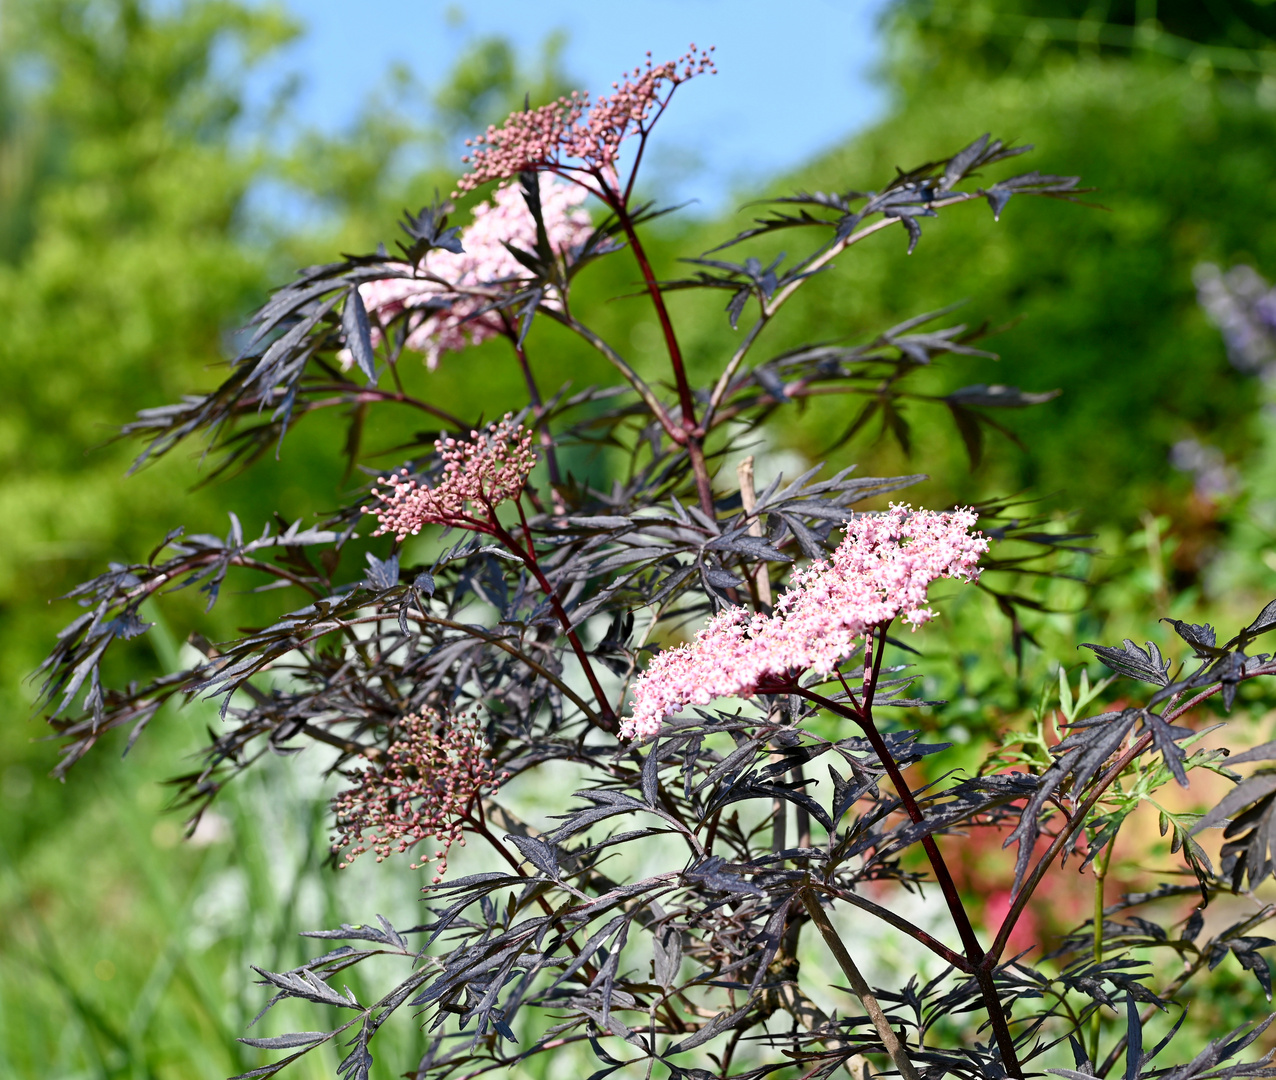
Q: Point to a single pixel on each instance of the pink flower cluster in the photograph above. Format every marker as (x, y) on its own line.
(430, 779)
(570, 133)
(488, 468)
(446, 321)
(879, 572)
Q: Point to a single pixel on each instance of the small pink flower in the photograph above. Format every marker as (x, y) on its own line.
(429, 782)
(879, 572)
(444, 319)
(571, 134)
(489, 468)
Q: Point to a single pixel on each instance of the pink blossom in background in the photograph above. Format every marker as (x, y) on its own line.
(424, 789)
(484, 262)
(879, 572)
(1026, 932)
(564, 135)
(489, 468)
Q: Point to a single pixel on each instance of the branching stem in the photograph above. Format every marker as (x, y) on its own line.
(607, 720)
(860, 987)
(975, 955)
(900, 923)
(694, 435)
(1082, 812)
(769, 308)
(639, 385)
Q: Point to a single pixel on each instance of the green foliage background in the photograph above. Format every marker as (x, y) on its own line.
(132, 244)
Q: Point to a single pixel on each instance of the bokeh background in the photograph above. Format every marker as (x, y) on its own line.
(163, 164)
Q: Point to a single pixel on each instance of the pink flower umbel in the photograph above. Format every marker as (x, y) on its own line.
(483, 472)
(571, 134)
(445, 319)
(430, 780)
(879, 572)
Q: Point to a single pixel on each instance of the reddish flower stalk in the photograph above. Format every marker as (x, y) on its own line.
(429, 782)
(976, 960)
(691, 434)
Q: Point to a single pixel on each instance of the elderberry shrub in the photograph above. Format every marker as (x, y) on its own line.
(740, 797)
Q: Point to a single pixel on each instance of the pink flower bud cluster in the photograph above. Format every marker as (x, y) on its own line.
(430, 779)
(488, 468)
(879, 572)
(446, 319)
(570, 133)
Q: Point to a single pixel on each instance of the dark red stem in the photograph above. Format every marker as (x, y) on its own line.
(528, 555)
(982, 970)
(694, 437)
(943, 877)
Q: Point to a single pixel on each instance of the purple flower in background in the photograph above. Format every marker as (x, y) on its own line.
(1213, 477)
(1243, 306)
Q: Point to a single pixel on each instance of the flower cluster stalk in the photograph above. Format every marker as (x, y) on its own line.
(527, 553)
(692, 433)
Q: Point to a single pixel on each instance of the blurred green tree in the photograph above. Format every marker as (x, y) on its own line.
(122, 267)
(1169, 111)
(137, 230)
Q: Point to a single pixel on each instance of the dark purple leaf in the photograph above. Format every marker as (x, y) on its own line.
(358, 334)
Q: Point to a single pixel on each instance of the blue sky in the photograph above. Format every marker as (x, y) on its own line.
(789, 85)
